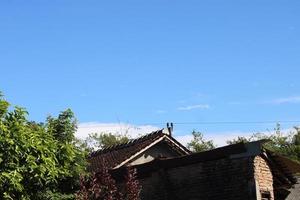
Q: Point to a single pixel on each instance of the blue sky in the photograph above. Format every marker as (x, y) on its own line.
(145, 62)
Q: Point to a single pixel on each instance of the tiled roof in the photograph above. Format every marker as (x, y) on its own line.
(117, 154)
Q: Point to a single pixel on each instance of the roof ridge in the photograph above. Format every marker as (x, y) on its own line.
(126, 144)
(178, 143)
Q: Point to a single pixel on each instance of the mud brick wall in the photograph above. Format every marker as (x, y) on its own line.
(224, 179)
(263, 177)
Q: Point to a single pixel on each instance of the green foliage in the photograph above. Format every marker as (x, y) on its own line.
(70, 155)
(63, 127)
(199, 144)
(28, 161)
(239, 139)
(105, 140)
(38, 161)
(287, 144)
(49, 195)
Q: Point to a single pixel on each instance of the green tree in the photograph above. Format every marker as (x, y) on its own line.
(71, 156)
(239, 139)
(292, 149)
(105, 140)
(63, 127)
(28, 161)
(199, 144)
(287, 144)
(38, 161)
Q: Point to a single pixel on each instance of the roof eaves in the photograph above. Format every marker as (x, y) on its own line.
(178, 145)
(139, 152)
(124, 145)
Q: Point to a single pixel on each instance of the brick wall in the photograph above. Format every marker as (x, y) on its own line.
(214, 180)
(263, 177)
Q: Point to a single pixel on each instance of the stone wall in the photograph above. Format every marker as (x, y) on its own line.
(231, 179)
(263, 177)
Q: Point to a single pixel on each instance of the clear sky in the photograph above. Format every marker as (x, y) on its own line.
(145, 62)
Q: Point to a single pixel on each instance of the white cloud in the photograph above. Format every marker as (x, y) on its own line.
(192, 107)
(160, 111)
(135, 131)
(84, 129)
(293, 99)
(219, 138)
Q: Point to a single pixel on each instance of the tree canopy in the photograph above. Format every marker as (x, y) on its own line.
(199, 144)
(37, 159)
(105, 140)
(287, 144)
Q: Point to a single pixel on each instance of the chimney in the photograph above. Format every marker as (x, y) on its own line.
(169, 129)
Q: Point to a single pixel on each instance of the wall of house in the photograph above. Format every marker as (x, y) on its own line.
(158, 150)
(263, 177)
(226, 179)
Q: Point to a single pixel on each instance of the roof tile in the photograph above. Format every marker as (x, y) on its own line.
(115, 155)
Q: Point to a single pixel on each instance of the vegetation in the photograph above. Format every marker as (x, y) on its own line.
(46, 161)
(38, 161)
(287, 144)
(102, 186)
(70, 155)
(105, 140)
(199, 144)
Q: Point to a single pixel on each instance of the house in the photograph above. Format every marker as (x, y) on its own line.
(240, 171)
(167, 170)
(158, 144)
